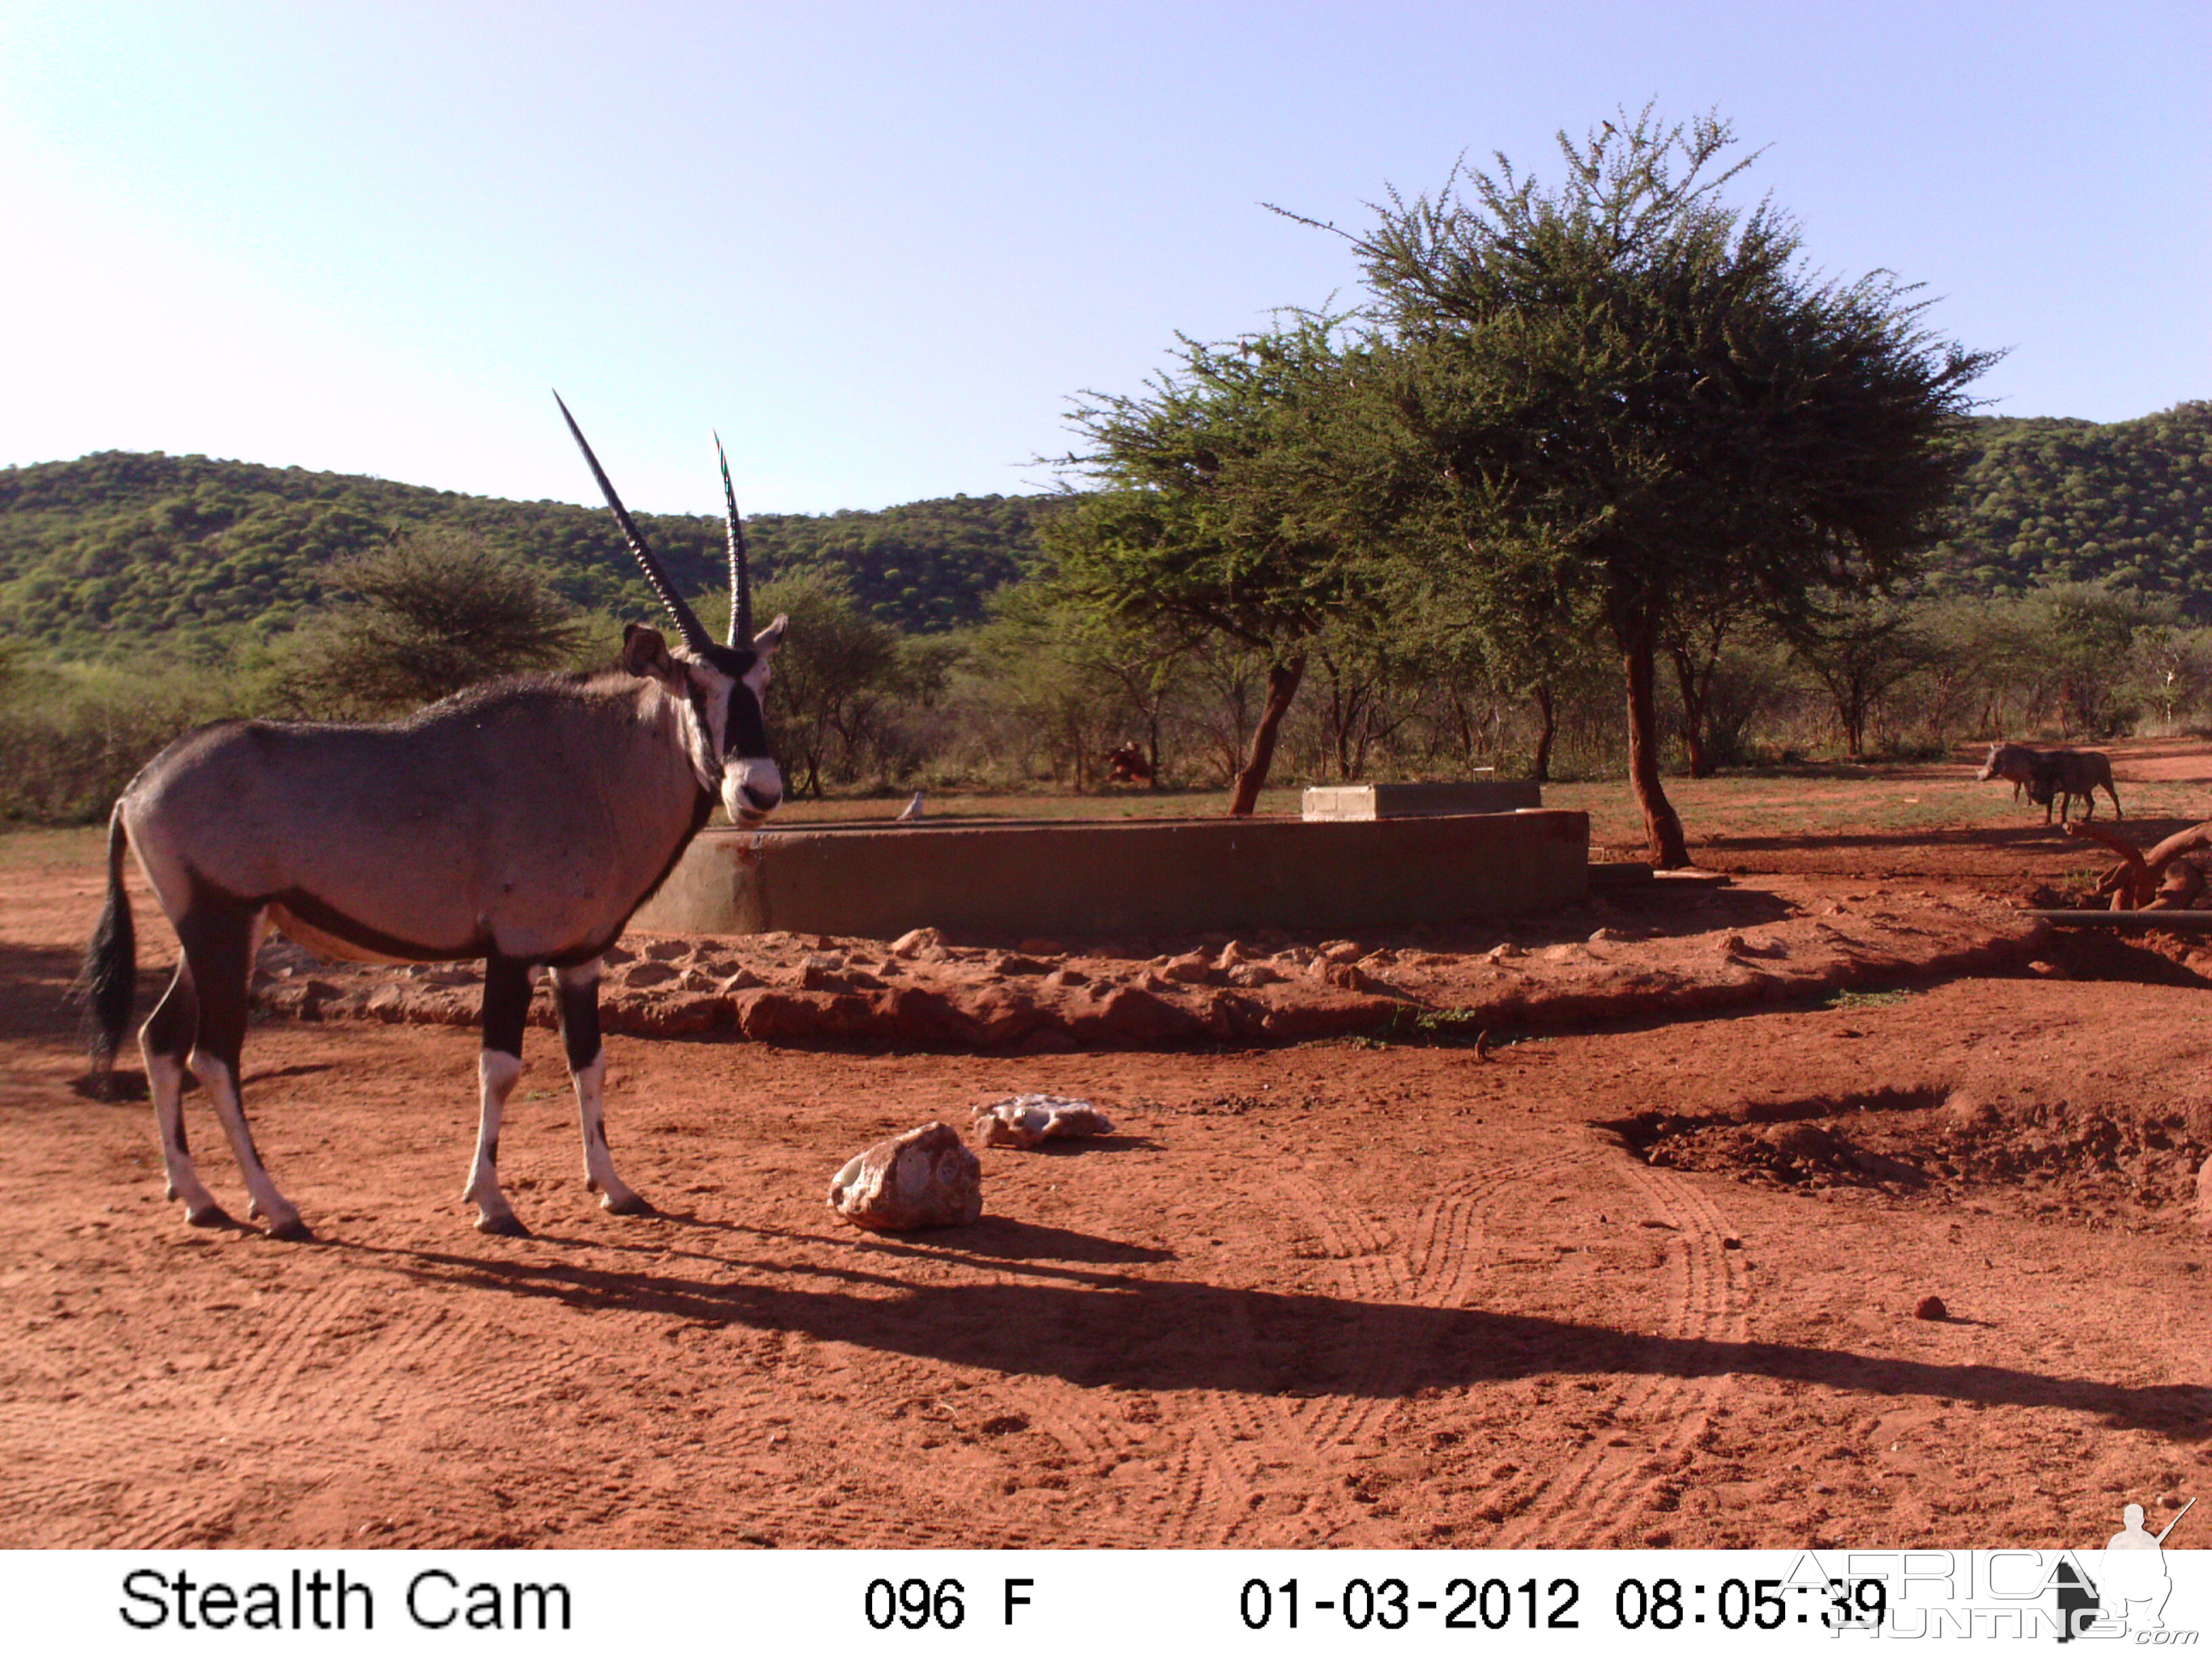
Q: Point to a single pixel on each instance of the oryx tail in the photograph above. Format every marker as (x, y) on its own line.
(110, 975)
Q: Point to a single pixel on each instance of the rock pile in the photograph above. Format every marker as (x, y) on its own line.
(921, 991)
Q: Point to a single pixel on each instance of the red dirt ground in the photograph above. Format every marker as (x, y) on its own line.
(1646, 1282)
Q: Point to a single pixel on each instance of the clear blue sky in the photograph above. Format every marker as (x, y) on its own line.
(879, 245)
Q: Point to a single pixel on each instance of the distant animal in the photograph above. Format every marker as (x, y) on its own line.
(2064, 774)
(2052, 775)
(521, 823)
(1127, 764)
(913, 813)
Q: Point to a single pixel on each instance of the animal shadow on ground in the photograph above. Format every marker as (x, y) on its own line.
(1666, 914)
(992, 1240)
(2085, 953)
(1913, 846)
(1100, 1329)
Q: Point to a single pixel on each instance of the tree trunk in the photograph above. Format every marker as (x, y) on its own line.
(1547, 733)
(1282, 685)
(1662, 828)
(1695, 683)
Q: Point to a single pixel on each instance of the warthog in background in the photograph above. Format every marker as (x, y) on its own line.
(2053, 774)
(2010, 761)
(2065, 773)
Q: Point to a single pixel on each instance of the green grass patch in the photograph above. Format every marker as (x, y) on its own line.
(1866, 999)
(77, 848)
(1438, 1028)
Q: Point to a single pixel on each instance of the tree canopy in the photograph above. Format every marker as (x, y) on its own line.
(430, 613)
(1223, 507)
(1637, 392)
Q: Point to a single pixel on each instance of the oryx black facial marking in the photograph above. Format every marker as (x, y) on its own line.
(521, 823)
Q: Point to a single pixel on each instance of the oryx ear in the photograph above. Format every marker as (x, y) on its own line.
(765, 641)
(645, 654)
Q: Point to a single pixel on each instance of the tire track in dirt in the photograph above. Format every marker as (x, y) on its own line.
(355, 1356)
(150, 1478)
(148, 1458)
(1439, 1267)
(85, 1502)
(1280, 1452)
(1262, 1463)
(1590, 1501)
(169, 1474)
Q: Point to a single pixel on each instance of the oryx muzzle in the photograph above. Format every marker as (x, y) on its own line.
(521, 822)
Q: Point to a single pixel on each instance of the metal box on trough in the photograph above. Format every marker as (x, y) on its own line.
(1362, 802)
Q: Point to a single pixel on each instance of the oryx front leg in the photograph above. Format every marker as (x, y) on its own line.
(579, 988)
(506, 1011)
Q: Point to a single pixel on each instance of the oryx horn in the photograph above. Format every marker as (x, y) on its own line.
(694, 636)
(741, 586)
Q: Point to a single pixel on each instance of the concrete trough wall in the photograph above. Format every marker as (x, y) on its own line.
(1105, 878)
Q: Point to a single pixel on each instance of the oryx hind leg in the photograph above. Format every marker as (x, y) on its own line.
(505, 1011)
(165, 1040)
(579, 989)
(219, 943)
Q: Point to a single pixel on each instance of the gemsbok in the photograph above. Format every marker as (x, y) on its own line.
(521, 822)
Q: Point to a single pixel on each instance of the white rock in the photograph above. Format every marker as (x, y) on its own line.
(926, 1177)
(1029, 1120)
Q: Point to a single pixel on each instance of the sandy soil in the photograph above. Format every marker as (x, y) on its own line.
(1641, 1281)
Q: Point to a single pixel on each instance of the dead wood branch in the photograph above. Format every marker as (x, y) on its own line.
(2162, 879)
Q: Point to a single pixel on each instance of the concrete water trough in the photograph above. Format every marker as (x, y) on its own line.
(1093, 878)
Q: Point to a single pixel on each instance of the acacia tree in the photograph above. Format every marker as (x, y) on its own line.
(1860, 649)
(1073, 676)
(432, 611)
(834, 663)
(1695, 643)
(1216, 509)
(1517, 631)
(1627, 389)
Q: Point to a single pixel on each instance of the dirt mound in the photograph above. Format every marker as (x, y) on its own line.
(2083, 1161)
(1667, 951)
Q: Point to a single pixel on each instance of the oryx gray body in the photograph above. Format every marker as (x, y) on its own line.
(521, 823)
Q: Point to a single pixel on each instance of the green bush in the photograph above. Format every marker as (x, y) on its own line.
(71, 738)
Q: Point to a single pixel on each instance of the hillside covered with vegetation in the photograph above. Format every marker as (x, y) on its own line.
(117, 548)
(2045, 501)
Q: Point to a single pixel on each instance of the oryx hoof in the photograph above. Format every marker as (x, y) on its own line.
(210, 1214)
(508, 1225)
(628, 1204)
(292, 1230)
